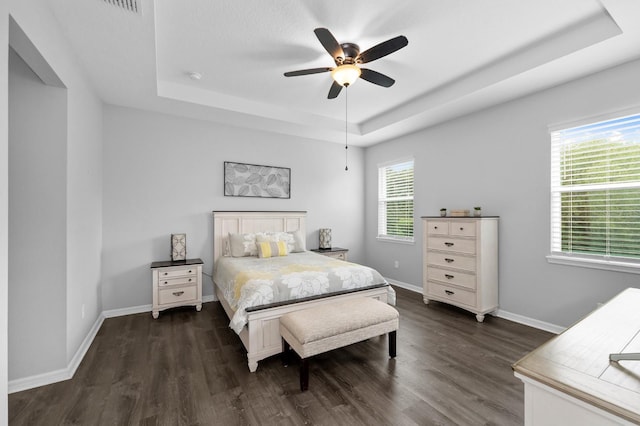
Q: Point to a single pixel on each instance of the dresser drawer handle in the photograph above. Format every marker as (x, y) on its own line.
(446, 259)
(461, 228)
(448, 276)
(178, 293)
(449, 292)
(166, 273)
(435, 227)
(166, 282)
(448, 244)
(189, 279)
(189, 271)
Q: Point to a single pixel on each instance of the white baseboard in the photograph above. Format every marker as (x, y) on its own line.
(531, 322)
(520, 319)
(63, 373)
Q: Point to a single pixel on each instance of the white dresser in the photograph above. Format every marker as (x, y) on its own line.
(460, 262)
(570, 379)
(176, 283)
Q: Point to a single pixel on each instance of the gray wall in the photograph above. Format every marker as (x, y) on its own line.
(499, 159)
(78, 159)
(164, 174)
(37, 222)
(4, 208)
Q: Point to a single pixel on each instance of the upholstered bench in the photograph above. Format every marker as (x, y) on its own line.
(326, 327)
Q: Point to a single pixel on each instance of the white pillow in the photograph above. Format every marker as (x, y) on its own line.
(299, 244)
(242, 245)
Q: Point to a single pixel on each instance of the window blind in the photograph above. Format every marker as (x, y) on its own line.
(395, 201)
(595, 189)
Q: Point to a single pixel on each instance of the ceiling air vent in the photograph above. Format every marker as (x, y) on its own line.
(130, 5)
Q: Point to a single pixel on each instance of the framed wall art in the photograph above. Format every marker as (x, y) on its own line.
(252, 180)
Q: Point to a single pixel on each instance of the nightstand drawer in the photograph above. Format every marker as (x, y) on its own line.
(338, 255)
(163, 282)
(452, 244)
(452, 277)
(170, 273)
(178, 294)
(451, 260)
(454, 294)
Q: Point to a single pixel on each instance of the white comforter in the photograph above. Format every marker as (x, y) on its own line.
(250, 281)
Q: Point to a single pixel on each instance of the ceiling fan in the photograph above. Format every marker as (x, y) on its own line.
(348, 57)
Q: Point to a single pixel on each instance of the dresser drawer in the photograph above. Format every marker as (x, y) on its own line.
(170, 273)
(173, 295)
(453, 294)
(462, 229)
(452, 277)
(163, 282)
(452, 244)
(438, 228)
(451, 260)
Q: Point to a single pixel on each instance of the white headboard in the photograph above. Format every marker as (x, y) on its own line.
(238, 222)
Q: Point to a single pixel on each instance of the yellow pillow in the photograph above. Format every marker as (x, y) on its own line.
(272, 249)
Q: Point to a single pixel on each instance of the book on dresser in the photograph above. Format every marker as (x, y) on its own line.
(460, 262)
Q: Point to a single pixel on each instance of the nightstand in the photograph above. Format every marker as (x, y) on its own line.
(334, 252)
(176, 283)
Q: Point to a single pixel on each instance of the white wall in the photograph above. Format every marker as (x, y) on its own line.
(164, 175)
(4, 208)
(499, 159)
(82, 189)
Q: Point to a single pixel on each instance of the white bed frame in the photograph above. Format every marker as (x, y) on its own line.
(261, 335)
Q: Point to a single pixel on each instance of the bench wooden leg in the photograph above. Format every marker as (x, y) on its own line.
(392, 344)
(285, 353)
(304, 374)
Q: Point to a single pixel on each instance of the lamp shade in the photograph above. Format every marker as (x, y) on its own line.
(345, 75)
(325, 238)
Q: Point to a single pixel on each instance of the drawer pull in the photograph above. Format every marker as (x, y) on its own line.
(166, 282)
(461, 228)
(446, 259)
(189, 279)
(166, 273)
(449, 292)
(448, 244)
(448, 276)
(178, 293)
(189, 270)
(435, 227)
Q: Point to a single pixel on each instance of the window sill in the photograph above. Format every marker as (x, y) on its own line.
(395, 240)
(584, 262)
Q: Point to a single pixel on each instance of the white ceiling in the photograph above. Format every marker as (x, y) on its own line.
(463, 55)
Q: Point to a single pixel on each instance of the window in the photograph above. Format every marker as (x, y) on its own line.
(595, 194)
(395, 201)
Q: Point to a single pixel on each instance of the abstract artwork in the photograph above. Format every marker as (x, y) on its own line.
(252, 180)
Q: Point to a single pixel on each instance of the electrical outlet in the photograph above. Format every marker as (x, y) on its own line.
(82, 311)
(396, 264)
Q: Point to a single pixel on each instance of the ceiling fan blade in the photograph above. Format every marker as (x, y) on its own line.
(334, 91)
(382, 49)
(376, 78)
(306, 72)
(329, 42)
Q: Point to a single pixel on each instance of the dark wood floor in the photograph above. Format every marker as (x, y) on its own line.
(189, 368)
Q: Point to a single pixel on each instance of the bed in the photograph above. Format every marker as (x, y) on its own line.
(256, 318)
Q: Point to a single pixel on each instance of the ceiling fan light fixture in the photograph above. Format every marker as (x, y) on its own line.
(345, 75)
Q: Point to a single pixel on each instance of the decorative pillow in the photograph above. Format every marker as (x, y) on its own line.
(272, 249)
(242, 245)
(294, 240)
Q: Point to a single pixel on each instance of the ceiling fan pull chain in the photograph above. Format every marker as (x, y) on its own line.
(346, 133)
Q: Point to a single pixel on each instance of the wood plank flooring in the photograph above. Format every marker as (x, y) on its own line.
(189, 368)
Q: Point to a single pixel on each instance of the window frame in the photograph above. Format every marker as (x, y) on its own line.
(603, 262)
(393, 238)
